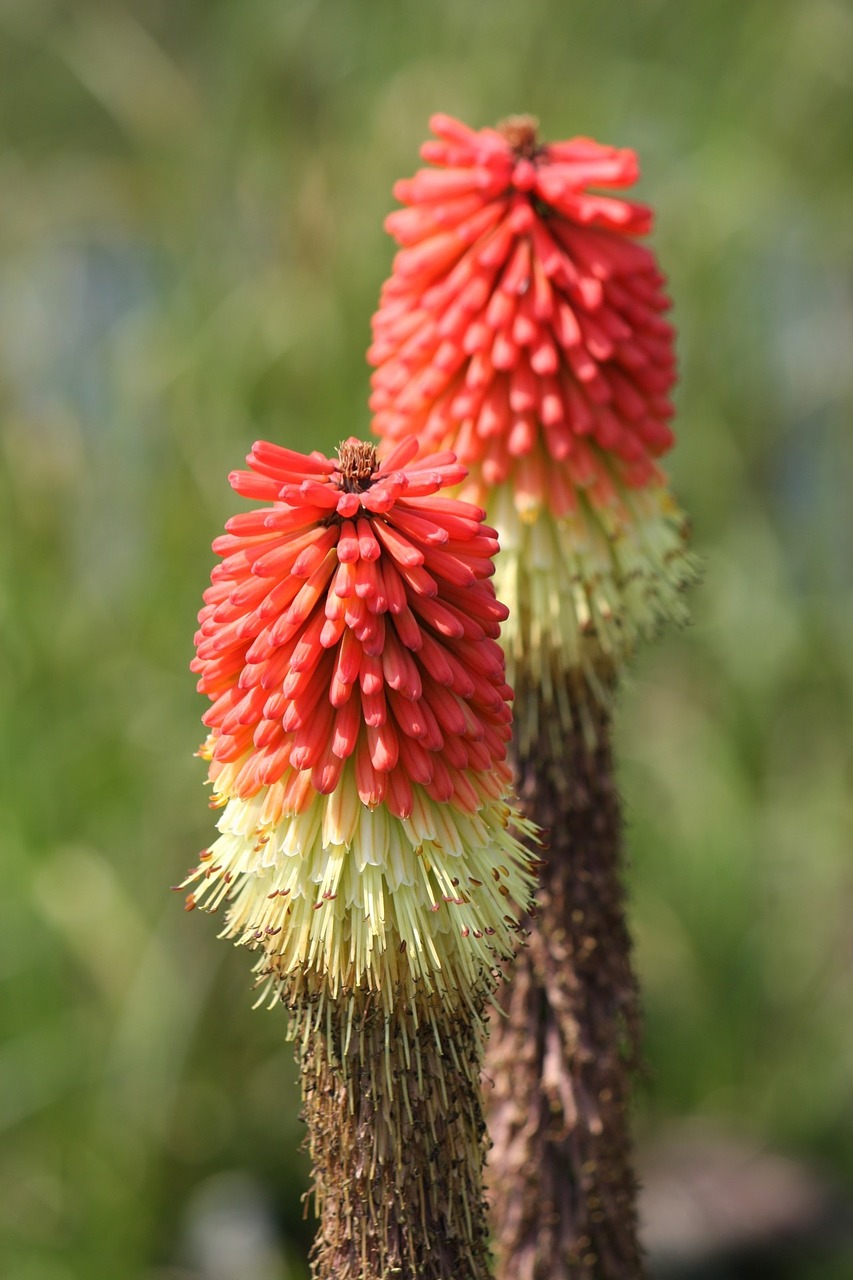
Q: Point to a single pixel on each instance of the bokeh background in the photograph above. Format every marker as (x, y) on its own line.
(191, 245)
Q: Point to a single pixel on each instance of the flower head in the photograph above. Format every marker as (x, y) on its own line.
(359, 723)
(523, 326)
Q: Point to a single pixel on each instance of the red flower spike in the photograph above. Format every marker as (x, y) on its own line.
(521, 314)
(369, 579)
(523, 326)
(359, 727)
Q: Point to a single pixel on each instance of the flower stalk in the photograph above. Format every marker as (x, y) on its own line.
(561, 1056)
(396, 1136)
(357, 748)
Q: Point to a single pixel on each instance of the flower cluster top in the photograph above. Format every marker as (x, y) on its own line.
(521, 324)
(351, 626)
(493, 163)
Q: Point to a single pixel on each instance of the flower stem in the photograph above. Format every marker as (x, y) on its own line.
(561, 1169)
(396, 1137)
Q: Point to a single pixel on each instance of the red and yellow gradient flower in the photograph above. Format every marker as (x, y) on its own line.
(359, 725)
(523, 326)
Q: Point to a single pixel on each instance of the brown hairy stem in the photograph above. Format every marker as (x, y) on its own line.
(561, 1174)
(396, 1137)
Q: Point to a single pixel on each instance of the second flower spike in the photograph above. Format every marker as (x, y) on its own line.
(524, 326)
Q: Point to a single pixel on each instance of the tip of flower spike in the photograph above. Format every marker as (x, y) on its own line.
(357, 462)
(521, 133)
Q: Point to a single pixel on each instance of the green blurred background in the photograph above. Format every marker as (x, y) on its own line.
(191, 245)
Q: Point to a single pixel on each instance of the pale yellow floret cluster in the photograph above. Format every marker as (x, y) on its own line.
(356, 897)
(582, 590)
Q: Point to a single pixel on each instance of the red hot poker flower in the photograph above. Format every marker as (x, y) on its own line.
(348, 645)
(523, 326)
(522, 319)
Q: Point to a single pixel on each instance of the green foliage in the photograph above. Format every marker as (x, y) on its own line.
(191, 246)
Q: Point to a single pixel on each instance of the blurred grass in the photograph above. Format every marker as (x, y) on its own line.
(191, 246)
